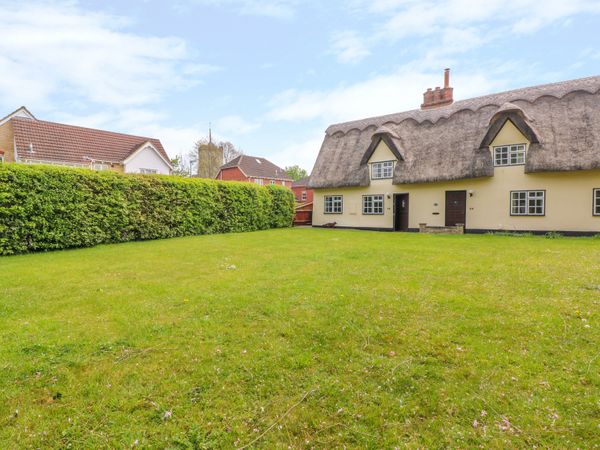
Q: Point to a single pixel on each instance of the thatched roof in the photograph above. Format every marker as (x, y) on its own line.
(562, 120)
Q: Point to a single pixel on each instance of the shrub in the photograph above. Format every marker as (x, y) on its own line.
(47, 208)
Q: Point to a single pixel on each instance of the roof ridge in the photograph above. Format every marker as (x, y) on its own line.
(453, 106)
(88, 128)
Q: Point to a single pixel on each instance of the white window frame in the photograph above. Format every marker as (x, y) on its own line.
(100, 166)
(1, 159)
(272, 182)
(509, 155)
(373, 205)
(596, 202)
(382, 170)
(145, 171)
(333, 204)
(303, 196)
(259, 181)
(528, 203)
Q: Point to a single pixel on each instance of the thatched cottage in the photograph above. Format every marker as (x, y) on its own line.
(522, 160)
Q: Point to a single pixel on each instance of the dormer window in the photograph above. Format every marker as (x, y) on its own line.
(509, 155)
(382, 170)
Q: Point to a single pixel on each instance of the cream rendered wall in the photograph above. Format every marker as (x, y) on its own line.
(568, 198)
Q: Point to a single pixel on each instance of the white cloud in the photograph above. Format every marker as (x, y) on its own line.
(349, 47)
(267, 8)
(455, 26)
(59, 49)
(235, 125)
(301, 152)
(381, 94)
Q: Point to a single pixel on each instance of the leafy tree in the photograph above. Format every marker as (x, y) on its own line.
(296, 172)
(184, 165)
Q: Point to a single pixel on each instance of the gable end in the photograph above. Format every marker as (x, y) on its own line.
(499, 122)
(386, 138)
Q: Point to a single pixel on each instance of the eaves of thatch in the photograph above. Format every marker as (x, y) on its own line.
(561, 120)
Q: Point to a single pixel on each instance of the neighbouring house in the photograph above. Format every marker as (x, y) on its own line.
(254, 170)
(304, 201)
(522, 160)
(25, 139)
(301, 190)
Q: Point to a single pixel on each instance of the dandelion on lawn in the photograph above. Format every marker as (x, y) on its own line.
(168, 415)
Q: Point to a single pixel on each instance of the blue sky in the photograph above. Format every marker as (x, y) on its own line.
(272, 75)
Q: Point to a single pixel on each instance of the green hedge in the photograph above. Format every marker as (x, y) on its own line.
(47, 208)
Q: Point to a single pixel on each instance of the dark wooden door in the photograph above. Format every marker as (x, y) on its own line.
(456, 207)
(401, 212)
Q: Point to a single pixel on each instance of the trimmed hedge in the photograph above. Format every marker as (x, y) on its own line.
(48, 208)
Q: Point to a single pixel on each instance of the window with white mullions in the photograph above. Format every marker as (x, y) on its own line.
(509, 155)
(373, 204)
(527, 203)
(381, 170)
(334, 204)
(597, 202)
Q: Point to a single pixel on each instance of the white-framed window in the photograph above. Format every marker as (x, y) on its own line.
(334, 204)
(597, 202)
(303, 196)
(528, 203)
(373, 204)
(100, 166)
(1, 159)
(272, 182)
(380, 170)
(148, 171)
(259, 181)
(509, 155)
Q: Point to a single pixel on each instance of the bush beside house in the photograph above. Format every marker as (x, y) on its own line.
(48, 208)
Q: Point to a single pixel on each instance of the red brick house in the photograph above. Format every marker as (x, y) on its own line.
(253, 169)
(304, 202)
(301, 191)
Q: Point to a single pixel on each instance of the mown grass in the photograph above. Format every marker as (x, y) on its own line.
(303, 338)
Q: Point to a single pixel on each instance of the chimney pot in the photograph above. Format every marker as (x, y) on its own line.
(439, 96)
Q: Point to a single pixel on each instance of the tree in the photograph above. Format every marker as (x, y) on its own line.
(296, 172)
(185, 165)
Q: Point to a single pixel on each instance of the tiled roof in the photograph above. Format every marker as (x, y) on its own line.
(301, 182)
(71, 144)
(255, 167)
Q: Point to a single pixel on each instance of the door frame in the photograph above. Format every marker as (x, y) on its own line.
(446, 206)
(396, 197)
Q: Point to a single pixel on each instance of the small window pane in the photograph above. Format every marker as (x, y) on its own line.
(382, 169)
(509, 155)
(597, 202)
(373, 204)
(333, 204)
(527, 203)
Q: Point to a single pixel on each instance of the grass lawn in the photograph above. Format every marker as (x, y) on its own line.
(303, 338)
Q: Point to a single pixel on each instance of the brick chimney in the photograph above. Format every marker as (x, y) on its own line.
(438, 97)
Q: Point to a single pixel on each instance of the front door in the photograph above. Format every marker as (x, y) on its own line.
(401, 212)
(456, 207)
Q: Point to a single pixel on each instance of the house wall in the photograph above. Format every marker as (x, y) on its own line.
(147, 158)
(298, 190)
(7, 141)
(568, 205)
(232, 174)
